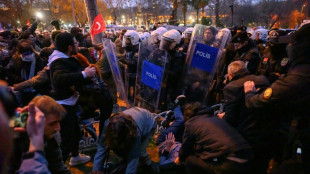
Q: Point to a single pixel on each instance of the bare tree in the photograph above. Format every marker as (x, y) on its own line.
(114, 7)
(197, 5)
(184, 10)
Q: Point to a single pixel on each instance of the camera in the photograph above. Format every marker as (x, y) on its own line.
(19, 120)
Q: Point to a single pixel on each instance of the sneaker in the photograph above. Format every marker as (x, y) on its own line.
(80, 159)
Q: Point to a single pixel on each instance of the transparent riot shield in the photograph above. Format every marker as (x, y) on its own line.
(110, 50)
(151, 79)
(203, 60)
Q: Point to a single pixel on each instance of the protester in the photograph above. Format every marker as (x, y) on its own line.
(254, 125)
(210, 145)
(24, 65)
(67, 76)
(127, 134)
(33, 160)
(53, 113)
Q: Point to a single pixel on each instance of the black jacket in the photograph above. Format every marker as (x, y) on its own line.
(249, 54)
(289, 96)
(15, 66)
(274, 65)
(66, 77)
(52, 153)
(253, 124)
(210, 137)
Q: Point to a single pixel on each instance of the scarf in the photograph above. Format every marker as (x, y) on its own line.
(29, 58)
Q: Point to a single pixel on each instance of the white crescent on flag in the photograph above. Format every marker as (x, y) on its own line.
(99, 26)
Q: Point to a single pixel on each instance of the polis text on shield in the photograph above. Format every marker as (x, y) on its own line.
(203, 54)
(151, 75)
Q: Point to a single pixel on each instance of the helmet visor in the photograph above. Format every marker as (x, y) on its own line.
(126, 42)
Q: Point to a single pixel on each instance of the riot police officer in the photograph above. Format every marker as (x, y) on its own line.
(129, 62)
(187, 34)
(275, 60)
(209, 35)
(289, 97)
(156, 37)
(246, 51)
(172, 62)
(169, 42)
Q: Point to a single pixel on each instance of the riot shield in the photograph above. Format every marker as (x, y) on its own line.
(151, 78)
(203, 61)
(110, 50)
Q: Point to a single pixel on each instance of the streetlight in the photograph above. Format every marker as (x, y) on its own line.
(302, 9)
(39, 15)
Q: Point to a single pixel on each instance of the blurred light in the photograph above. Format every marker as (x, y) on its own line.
(123, 16)
(190, 18)
(18, 22)
(70, 25)
(39, 15)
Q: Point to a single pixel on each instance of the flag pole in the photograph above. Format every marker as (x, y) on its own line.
(92, 12)
(73, 14)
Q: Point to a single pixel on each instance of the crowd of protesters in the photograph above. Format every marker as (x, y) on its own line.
(58, 79)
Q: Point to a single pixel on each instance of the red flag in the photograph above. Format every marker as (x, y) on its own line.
(98, 26)
(28, 23)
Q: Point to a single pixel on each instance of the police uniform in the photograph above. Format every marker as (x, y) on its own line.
(248, 53)
(131, 62)
(275, 60)
(289, 96)
(272, 68)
